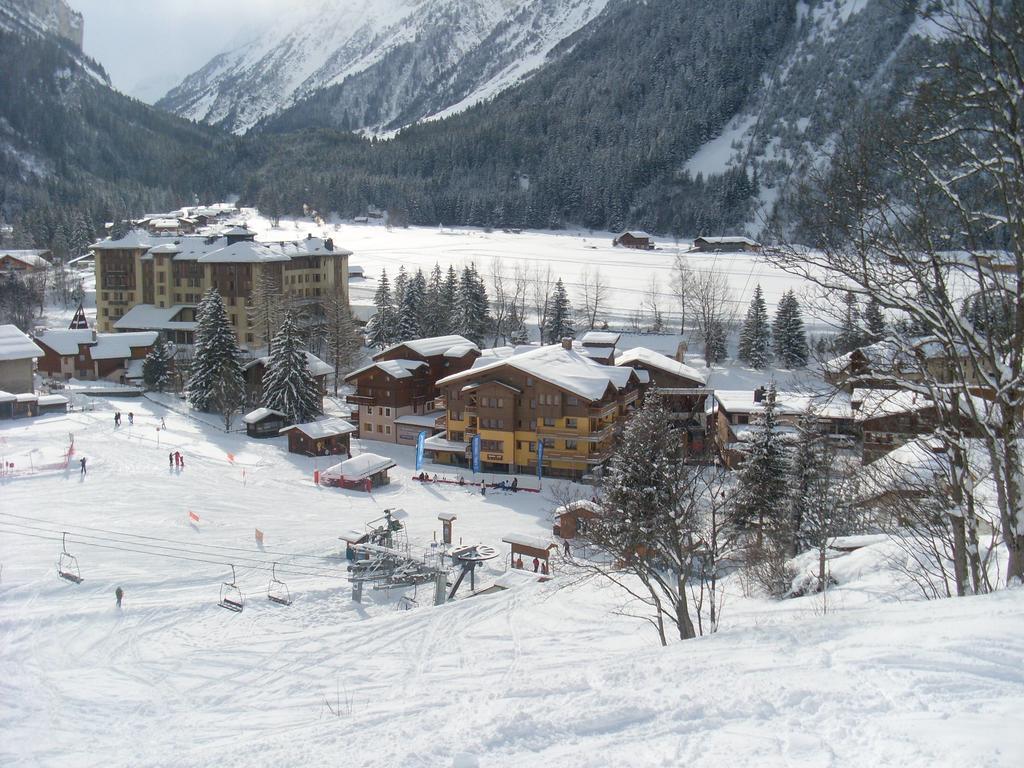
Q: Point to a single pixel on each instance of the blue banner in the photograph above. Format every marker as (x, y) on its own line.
(540, 458)
(476, 453)
(421, 440)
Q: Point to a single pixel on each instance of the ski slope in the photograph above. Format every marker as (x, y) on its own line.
(541, 673)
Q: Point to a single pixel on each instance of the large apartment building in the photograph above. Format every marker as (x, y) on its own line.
(397, 394)
(147, 282)
(557, 395)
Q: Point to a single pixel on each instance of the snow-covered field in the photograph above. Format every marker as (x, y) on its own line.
(539, 674)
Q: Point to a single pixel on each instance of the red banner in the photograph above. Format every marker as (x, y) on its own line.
(193, 517)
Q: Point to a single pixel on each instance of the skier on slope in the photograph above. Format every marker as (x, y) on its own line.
(119, 594)
(81, 461)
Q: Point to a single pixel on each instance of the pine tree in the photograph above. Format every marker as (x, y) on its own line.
(472, 306)
(432, 320)
(762, 490)
(344, 345)
(382, 326)
(288, 386)
(756, 335)
(216, 383)
(716, 348)
(448, 306)
(518, 334)
(788, 335)
(560, 324)
(156, 367)
(875, 320)
(398, 289)
(807, 469)
(849, 337)
(410, 310)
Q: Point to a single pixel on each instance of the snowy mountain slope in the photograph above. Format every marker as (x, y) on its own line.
(370, 64)
(539, 674)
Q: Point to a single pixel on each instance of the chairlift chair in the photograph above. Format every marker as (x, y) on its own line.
(230, 595)
(67, 565)
(277, 590)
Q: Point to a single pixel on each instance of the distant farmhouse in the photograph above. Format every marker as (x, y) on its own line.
(726, 244)
(634, 239)
(86, 354)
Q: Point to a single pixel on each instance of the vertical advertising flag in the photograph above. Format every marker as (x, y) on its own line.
(421, 440)
(476, 453)
(540, 458)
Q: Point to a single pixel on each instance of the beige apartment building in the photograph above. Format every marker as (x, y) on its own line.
(147, 282)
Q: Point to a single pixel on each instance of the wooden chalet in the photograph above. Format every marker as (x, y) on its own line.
(326, 437)
(733, 244)
(82, 353)
(877, 365)
(402, 382)
(264, 422)
(26, 261)
(683, 388)
(890, 418)
(634, 239)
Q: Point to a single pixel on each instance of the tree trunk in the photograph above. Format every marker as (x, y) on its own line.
(956, 522)
(683, 620)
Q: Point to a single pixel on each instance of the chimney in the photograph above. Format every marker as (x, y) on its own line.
(329, 244)
(759, 394)
(566, 342)
(681, 352)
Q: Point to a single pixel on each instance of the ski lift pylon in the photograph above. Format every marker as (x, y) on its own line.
(230, 595)
(67, 564)
(277, 590)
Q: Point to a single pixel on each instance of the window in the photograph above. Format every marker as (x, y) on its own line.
(387, 430)
(380, 411)
(549, 442)
(492, 446)
(549, 422)
(571, 400)
(570, 423)
(387, 411)
(570, 445)
(380, 428)
(533, 447)
(533, 404)
(501, 402)
(529, 381)
(742, 418)
(367, 427)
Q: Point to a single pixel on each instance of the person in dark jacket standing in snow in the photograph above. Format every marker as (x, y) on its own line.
(119, 594)
(170, 459)
(81, 461)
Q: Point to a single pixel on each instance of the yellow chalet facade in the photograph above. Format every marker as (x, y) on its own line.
(147, 282)
(552, 394)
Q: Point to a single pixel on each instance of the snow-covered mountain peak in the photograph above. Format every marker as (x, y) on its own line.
(379, 64)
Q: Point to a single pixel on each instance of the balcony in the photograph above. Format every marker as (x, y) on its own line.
(360, 399)
(595, 436)
(602, 411)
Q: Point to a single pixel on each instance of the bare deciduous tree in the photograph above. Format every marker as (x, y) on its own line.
(595, 294)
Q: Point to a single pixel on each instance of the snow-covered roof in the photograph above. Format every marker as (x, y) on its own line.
(397, 369)
(350, 537)
(565, 368)
(150, 316)
(600, 338)
(360, 467)
(7, 397)
(420, 419)
(580, 505)
(888, 355)
(133, 240)
(254, 417)
(449, 346)
(636, 233)
(525, 540)
(441, 443)
(115, 346)
(878, 403)
(825, 405)
(727, 240)
(216, 250)
(15, 345)
(65, 341)
(662, 362)
(53, 400)
(27, 397)
(28, 257)
(323, 428)
(354, 270)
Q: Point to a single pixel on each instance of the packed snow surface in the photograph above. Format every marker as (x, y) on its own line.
(545, 674)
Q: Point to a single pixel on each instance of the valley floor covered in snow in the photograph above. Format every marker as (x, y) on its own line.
(542, 673)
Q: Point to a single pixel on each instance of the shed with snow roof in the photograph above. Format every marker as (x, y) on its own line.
(728, 244)
(360, 473)
(17, 352)
(571, 519)
(325, 437)
(535, 550)
(634, 238)
(264, 422)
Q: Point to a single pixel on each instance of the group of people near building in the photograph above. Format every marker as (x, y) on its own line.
(538, 566)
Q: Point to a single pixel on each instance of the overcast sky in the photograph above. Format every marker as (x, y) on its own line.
(149, 46)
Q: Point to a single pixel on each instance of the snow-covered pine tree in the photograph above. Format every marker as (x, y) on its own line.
(518, 334)
(410, 311)
(756, 335)
(382, 326)
(216, 383)
(760, 501)
(288, 386)
(716, 346)
(450, 301)
(788, 335)
(472, 306)
(875, 320)
(343, 343)
(560, 323)
(399, 286)
(433, 321)
(156, 367)
(808, 466)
